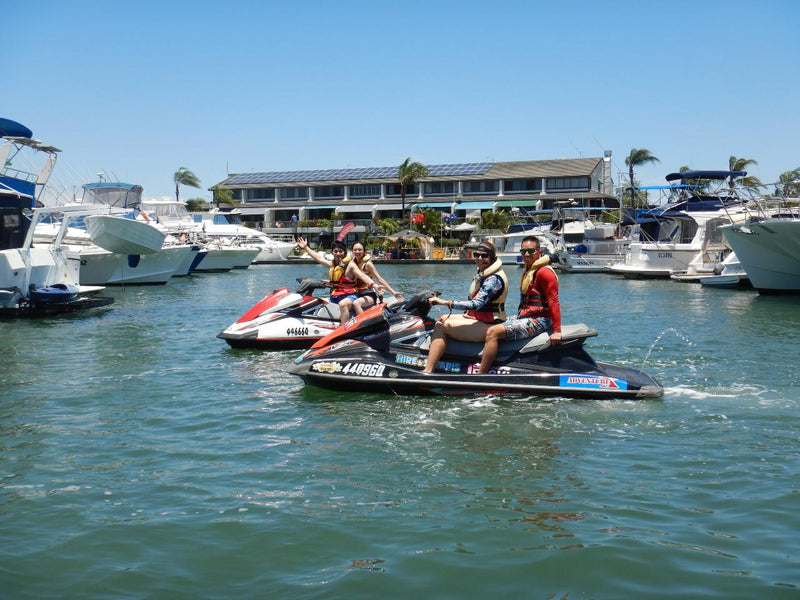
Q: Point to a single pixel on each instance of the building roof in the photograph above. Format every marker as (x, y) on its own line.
(565, 167)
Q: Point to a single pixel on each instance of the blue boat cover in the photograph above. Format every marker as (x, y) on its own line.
(705, 175)
(14, 129)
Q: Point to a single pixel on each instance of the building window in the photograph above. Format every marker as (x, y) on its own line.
(481, 187)
(519, 186)
(329, 191)
(365, 191)
(393, 189)
(261, 194)
(568, 184)
(237, 195)
(439, 188)
(293, 193)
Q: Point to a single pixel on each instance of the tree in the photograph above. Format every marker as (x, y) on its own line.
(637, 158)
(184, 176)
(790, 181)
(223, 195)
(408, 174)
(741, 164)
(495, 220)
(195, 204)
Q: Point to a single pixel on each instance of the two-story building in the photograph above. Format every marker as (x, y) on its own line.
(271, 199)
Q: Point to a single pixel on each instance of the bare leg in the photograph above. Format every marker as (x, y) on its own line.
(494, 334)
(437, 349)
(363, 303)
(344, 311)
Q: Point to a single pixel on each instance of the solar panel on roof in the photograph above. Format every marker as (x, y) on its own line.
(357, 173)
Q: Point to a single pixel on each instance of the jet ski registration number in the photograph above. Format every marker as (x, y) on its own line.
(364, 369)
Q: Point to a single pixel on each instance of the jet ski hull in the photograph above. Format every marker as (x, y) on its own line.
(364, 370)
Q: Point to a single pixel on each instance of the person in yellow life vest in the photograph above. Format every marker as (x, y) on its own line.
(343, 274)
(368, 296)
(539, 308)
(485, 307)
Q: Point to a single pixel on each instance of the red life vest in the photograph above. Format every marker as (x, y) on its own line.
(495, 310)
(532, 303)
(342, 286)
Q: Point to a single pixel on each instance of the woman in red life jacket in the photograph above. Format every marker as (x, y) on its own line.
(485, 306)
(539, 309)
(368, 296)
(343, 273)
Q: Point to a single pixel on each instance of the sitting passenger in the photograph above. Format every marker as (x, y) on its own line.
(368, 296)
(484, 308)
(539, 309)
(343, 274)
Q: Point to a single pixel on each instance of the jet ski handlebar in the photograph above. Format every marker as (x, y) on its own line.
(416, 305)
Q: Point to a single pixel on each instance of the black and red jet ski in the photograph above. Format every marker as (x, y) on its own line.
(384, 350)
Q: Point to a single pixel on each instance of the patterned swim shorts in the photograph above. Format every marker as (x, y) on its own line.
(527, 327)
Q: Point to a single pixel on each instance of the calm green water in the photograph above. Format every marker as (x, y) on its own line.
(142, 458)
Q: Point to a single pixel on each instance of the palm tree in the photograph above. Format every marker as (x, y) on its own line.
(741, 164)
(223, 195)
(184, 176)
(637, 158)
(409, 173)
(195, 204)
(791, 183)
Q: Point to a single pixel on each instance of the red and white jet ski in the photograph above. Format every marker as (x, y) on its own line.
(284, 320)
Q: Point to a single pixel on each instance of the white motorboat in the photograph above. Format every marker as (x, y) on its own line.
(227, 226)
(35, 279)
(728, 274)
(215, 257)
(508, 245)
(124, 235)
(673, 237)
(101, 267)
(769, 251)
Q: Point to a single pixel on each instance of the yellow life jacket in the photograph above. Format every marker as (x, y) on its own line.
(342, 286)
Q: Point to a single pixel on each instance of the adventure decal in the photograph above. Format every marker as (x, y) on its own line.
(593, 382)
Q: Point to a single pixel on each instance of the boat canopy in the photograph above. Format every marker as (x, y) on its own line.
(121, 195)
(705, 175)
(9, 128)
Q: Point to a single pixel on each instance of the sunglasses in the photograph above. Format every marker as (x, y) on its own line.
(529, 251)
(480, 254)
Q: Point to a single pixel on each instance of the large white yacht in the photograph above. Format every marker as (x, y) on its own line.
(769, 251)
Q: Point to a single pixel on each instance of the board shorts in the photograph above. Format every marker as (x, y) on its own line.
(527, 327)
(337, 299)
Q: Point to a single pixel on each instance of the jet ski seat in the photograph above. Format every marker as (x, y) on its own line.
(569, 334)
(328, 311)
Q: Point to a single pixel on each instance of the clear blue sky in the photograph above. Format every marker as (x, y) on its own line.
(139, 89)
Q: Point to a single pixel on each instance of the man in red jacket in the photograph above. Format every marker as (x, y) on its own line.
(539, 310)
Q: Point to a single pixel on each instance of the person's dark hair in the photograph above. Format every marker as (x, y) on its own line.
(339, 244)
(488, 247)
(532, 238)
